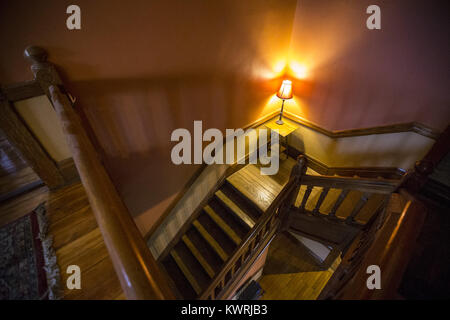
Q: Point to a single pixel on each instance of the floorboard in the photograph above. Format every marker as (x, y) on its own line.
(291, 273)
(77, 238)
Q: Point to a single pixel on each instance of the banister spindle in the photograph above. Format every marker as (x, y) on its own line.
(338, 203)
(305, 197)
(322, 196)
(362, 201)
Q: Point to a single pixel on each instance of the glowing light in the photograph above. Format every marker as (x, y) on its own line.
(299, 70)
(285, 91)
(273, 71)
(279, 67)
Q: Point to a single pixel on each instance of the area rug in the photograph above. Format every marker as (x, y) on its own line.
(28, 269)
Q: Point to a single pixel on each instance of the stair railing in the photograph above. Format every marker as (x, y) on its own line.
(137, 270)
(388, 243)
(225, 282)
(366, 186)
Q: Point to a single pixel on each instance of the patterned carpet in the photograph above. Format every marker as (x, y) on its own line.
(28, 269)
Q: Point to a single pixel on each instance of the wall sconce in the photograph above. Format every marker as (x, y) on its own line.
(284, 93)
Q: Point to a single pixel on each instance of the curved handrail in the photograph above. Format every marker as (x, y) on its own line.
(137, 270)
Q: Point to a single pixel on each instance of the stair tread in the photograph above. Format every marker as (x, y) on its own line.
(223, 225)
(208, 269)
(181, 286)
(258, 188)
(186, 272)
(211, 241)
(235, 208)
(205, 249)
(235, 223)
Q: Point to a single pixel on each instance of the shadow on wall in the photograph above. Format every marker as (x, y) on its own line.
(132, 121)
(143, 69)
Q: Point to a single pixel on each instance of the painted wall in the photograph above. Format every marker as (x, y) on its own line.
(356, 77)
(184, 208)
(142, 68)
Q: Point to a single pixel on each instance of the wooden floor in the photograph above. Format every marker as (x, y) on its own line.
(77, 238)
(291, 273)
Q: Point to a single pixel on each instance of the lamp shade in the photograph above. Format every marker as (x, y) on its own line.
(285, 91)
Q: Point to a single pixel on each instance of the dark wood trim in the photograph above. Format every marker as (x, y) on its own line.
(363, 185)
(391, 249)
(243, 271)
(68, 170)
(23, 90)
(363, 172)
(416, 127)
(418, 180)
(21, 190)
(29, 147)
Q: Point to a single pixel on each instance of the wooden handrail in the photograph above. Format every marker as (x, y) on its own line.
(388, 243)
(361, 184)
(255, 239)
(136, 268)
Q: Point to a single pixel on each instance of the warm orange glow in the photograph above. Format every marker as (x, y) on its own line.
(285, 91)
(296, 105)
(298, 70)
(279, 67)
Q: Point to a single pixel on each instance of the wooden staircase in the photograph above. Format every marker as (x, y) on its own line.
(220, 227)
(330, 210)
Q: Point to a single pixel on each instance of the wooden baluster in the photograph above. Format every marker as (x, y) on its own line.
(233, 270)
(284, 209)
(243, 255)
(252, 244)
(338, 203)
(305, 198)
(322, 196)
(263, 231)
(362, 201)
(272, 221)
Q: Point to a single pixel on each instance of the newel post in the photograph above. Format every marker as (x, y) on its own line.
(44, 72)
(295, 177)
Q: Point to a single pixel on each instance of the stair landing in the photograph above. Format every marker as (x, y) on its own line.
(262, 189)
